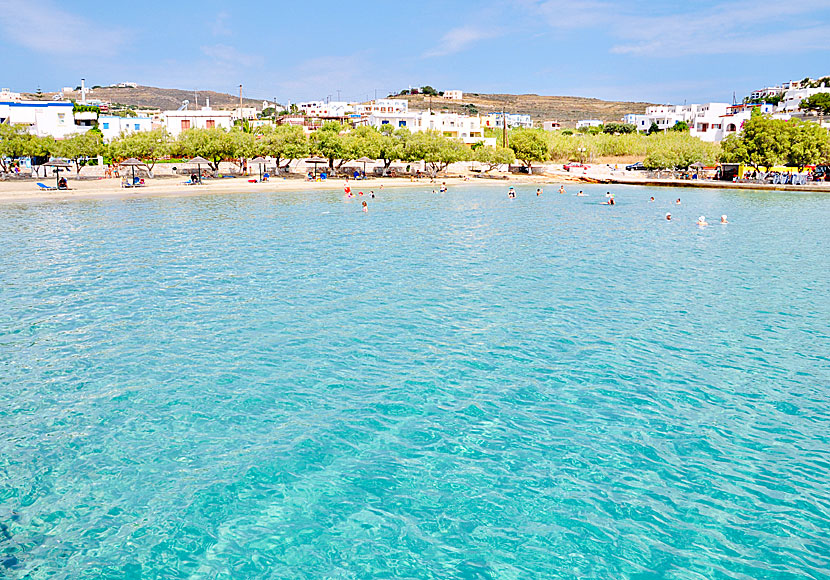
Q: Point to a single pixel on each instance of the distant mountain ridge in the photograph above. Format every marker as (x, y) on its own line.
(567, 110)
(156, 98)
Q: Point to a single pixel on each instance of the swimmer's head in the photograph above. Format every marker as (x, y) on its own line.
(668, 216)
(723, 218)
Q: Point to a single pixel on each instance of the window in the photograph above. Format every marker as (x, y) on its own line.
(106, 125)
(731, 127)
(401, 123)
(137, 127)
(185, 124)
(210, 124)
(384, 122)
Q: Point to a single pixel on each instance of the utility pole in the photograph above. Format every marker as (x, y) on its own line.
(338, 94)
(196, 99)
(240, 100)
(503, 128)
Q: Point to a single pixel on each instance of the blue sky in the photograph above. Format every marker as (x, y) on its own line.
(659, 51)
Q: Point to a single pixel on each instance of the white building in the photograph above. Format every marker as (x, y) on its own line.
(452, 125)
(177, 121)
(8, 95)
(327, 109)
(247, 113)
(551, 125)
(383, 106)
(41, 118)
(494, 120)
(588, 123)
(112, 126)
(793, 97)
(454, 95)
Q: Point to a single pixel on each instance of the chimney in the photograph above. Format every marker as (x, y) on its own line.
(83, 91)
(207, 103)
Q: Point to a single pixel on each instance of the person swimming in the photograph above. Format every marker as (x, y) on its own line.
(365, 207)
(443, 188)
(723, 219)
(652, 199)
(561, 189)
(668, 217)
(607, 194)
(701, 221)
(678, 201)
(581, 194)
(511, 193)
(538, 192)
(611, 200)
(372, 193)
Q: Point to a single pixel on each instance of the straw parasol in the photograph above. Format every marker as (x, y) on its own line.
(132, 162)
(258, 161)
(316, 161)
(364, 161)
(58, 164)
(198, 162)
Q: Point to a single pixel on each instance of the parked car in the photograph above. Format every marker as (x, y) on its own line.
(571, 165)
(635, 167)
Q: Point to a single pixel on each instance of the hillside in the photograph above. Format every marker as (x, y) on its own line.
(567, 110)
(157, 98)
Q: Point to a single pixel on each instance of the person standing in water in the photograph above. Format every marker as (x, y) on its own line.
(538, 192)
(723, 219)
(562, 189)
(365, 207)
(511, 193)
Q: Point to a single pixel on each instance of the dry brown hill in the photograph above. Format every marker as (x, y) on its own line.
(157, 98)
(567, 110)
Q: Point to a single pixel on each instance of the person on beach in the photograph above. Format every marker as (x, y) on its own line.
(562, 189)
(701, 221)
(365, 207)
(511, 193)
(723, 219)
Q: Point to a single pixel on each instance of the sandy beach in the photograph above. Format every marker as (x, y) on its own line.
(26, 190)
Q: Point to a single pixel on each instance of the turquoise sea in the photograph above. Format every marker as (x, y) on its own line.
(457, 386)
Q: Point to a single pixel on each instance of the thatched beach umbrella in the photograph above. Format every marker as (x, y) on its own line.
(198, 162)
(58, 164)
(258, 161)
(316, 161)
(132, 162)
(364, 161)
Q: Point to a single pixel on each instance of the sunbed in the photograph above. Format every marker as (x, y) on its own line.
(44, 187)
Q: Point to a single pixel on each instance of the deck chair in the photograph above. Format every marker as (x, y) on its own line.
(44, 187)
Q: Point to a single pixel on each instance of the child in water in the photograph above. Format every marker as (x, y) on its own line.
(511, 193)
(365, 207)
(538, 192)
(561, 189)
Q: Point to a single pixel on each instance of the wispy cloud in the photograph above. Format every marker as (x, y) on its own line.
(459, 39)
(220, 25)
(45, 28)
(759, 27)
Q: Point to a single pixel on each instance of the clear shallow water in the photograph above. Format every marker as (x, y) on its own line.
(455, 386)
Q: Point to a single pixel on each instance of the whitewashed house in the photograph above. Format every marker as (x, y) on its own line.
(588, 123)
(452, 125)
(112, 126)
(495, 121)
(41, 118)
(206, 118)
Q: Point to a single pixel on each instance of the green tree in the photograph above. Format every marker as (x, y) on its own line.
(653, 128)
(215, 145)
(807, 144)
(282, 142)
(765, 141)
(80, 148)
(15, 142)
(818, 103)
(619, 128)
(148, 146)
(492, 157)
(529, 145)
(329, 142)
(680, 127)
(437, 151)
(429, 91)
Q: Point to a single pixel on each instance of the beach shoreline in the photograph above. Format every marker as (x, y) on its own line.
(26, 191)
